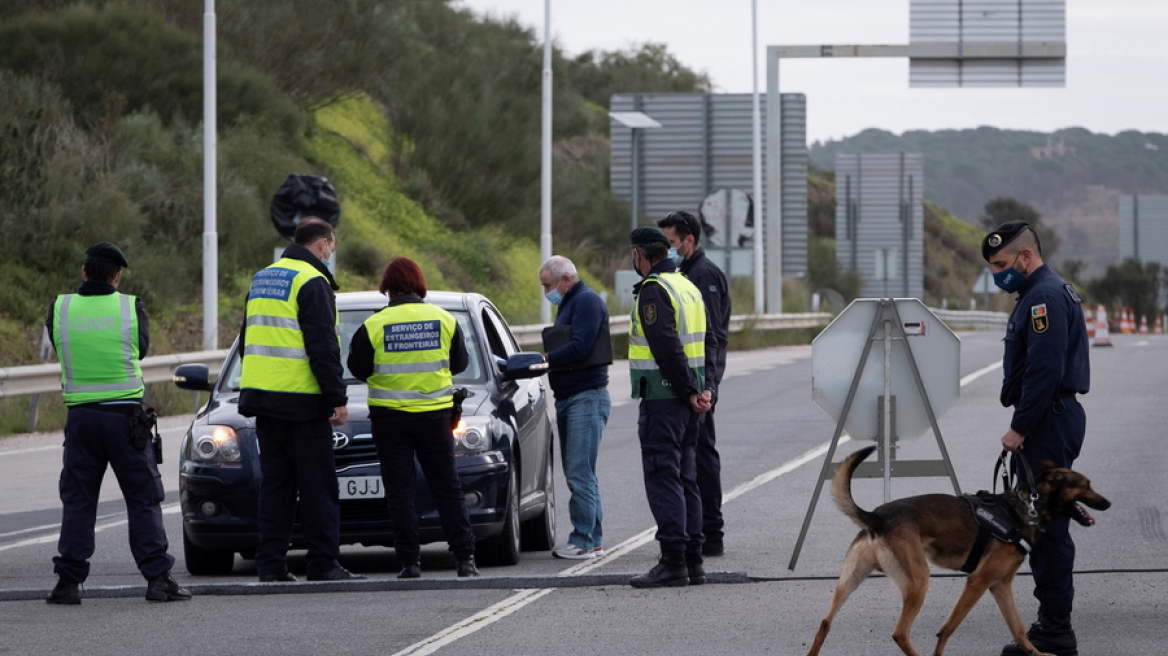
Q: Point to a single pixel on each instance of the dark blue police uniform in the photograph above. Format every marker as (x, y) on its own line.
(1045, 367)
(668, 431)
(711, 282)
(97, 437)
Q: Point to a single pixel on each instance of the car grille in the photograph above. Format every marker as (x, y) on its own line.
(360, 451)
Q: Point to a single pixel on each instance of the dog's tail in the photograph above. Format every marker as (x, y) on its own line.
(841, 490)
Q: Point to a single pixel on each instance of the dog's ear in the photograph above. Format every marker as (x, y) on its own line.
(1044, 465)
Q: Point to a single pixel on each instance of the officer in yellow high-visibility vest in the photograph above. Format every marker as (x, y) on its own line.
(100, 335)
(408, 353)
(667, 363)
(293, 383)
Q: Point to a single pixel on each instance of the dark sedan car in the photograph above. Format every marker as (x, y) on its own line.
(503, 449)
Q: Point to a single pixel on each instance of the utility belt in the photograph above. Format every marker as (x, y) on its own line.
(143, 423)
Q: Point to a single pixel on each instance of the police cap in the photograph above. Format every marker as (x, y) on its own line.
(646, 236)
(107, 252)
(1001, 236)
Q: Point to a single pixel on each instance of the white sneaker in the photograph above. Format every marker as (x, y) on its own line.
(572, 552)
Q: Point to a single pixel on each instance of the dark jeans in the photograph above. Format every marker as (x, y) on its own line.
(297, 456)
(1058, 439)
(709, 475)
(668, 433)
(94, 439)
(427, 436)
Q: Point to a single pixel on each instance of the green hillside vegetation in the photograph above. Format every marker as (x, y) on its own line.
(1075, 188)
(425, 117)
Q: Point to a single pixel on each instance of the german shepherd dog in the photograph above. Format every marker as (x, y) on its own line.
(899, 537)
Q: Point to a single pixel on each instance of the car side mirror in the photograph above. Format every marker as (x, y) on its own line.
(524, 365)
(194, 377)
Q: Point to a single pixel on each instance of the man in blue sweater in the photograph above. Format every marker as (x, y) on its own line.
(582, 402)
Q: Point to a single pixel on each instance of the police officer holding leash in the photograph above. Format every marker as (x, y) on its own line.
(1045, 367)
(667, 362)
(100, 335)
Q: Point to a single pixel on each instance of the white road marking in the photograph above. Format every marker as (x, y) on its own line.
(522, 598)
(168, 509)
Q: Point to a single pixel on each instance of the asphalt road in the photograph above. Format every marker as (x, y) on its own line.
(771, 437)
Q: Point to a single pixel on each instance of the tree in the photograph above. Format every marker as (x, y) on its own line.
(1001, 209)
(1131, 283)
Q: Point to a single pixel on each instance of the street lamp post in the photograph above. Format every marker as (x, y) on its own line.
(210, 148)
(545, 214)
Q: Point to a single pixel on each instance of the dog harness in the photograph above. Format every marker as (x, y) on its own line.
(994, 519)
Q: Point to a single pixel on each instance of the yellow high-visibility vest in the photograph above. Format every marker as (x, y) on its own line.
(690, 311)
(411, 358)
(97, 345)
(274, 356)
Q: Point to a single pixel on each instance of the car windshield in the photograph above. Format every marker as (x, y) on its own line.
(351, 320)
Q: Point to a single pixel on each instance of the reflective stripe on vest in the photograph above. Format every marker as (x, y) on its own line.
(97, 344)
(411, 358)
(690, 313)
(275, 359)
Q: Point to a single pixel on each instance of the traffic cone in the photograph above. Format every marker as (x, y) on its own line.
(1125, 326)
(1102, 338)
(1089, 318)
(1159, 329)
(1143, 324)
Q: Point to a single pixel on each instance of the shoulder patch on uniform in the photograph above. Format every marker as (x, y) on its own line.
(1038, 310)
(1073, 294)
(649, 312)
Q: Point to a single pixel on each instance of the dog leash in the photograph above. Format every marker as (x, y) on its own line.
(1011, 482)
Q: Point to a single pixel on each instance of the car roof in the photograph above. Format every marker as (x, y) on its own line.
(376, 300)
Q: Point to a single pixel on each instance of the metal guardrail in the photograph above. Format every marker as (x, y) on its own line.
(46, 378)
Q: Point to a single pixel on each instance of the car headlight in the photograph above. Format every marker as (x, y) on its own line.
(214, 445)
(471, 435)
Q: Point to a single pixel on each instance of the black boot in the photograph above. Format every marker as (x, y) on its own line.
(65, 593)
(693, 565)
(670, 572)
(412, 571)
(466, 567)
(165, 588)
(1048, 636)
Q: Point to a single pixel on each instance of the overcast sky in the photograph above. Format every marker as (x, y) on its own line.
(1117, 61)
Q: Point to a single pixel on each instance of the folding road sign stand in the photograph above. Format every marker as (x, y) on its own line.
(888, 328)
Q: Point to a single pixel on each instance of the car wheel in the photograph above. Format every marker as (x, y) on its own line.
(539, 533)
(503, 549)
(206, 562)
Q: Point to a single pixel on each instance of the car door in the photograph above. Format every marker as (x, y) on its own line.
(526, 396)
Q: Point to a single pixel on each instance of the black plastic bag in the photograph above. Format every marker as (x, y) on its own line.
(302, 196)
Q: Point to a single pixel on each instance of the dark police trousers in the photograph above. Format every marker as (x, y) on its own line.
(668, 431)
(709, 476)
(95, 438)
(427, 436)
(297, 456)
(1058, 439)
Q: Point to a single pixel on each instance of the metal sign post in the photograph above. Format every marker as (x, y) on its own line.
(893, 333)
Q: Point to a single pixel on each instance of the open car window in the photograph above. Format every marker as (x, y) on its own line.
(351, 320)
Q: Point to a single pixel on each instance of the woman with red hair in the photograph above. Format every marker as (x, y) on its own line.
(408, 354)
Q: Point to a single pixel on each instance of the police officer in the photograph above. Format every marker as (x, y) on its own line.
(667, 370)
(292, 382)
(1045, 367)
(685, 232)
(100, 335)
(408, 353)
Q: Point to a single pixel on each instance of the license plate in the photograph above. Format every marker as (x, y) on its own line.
(362, 487)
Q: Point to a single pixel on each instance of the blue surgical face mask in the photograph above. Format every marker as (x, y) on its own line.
(554, 296)
(676, 257)
(1010, 280)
